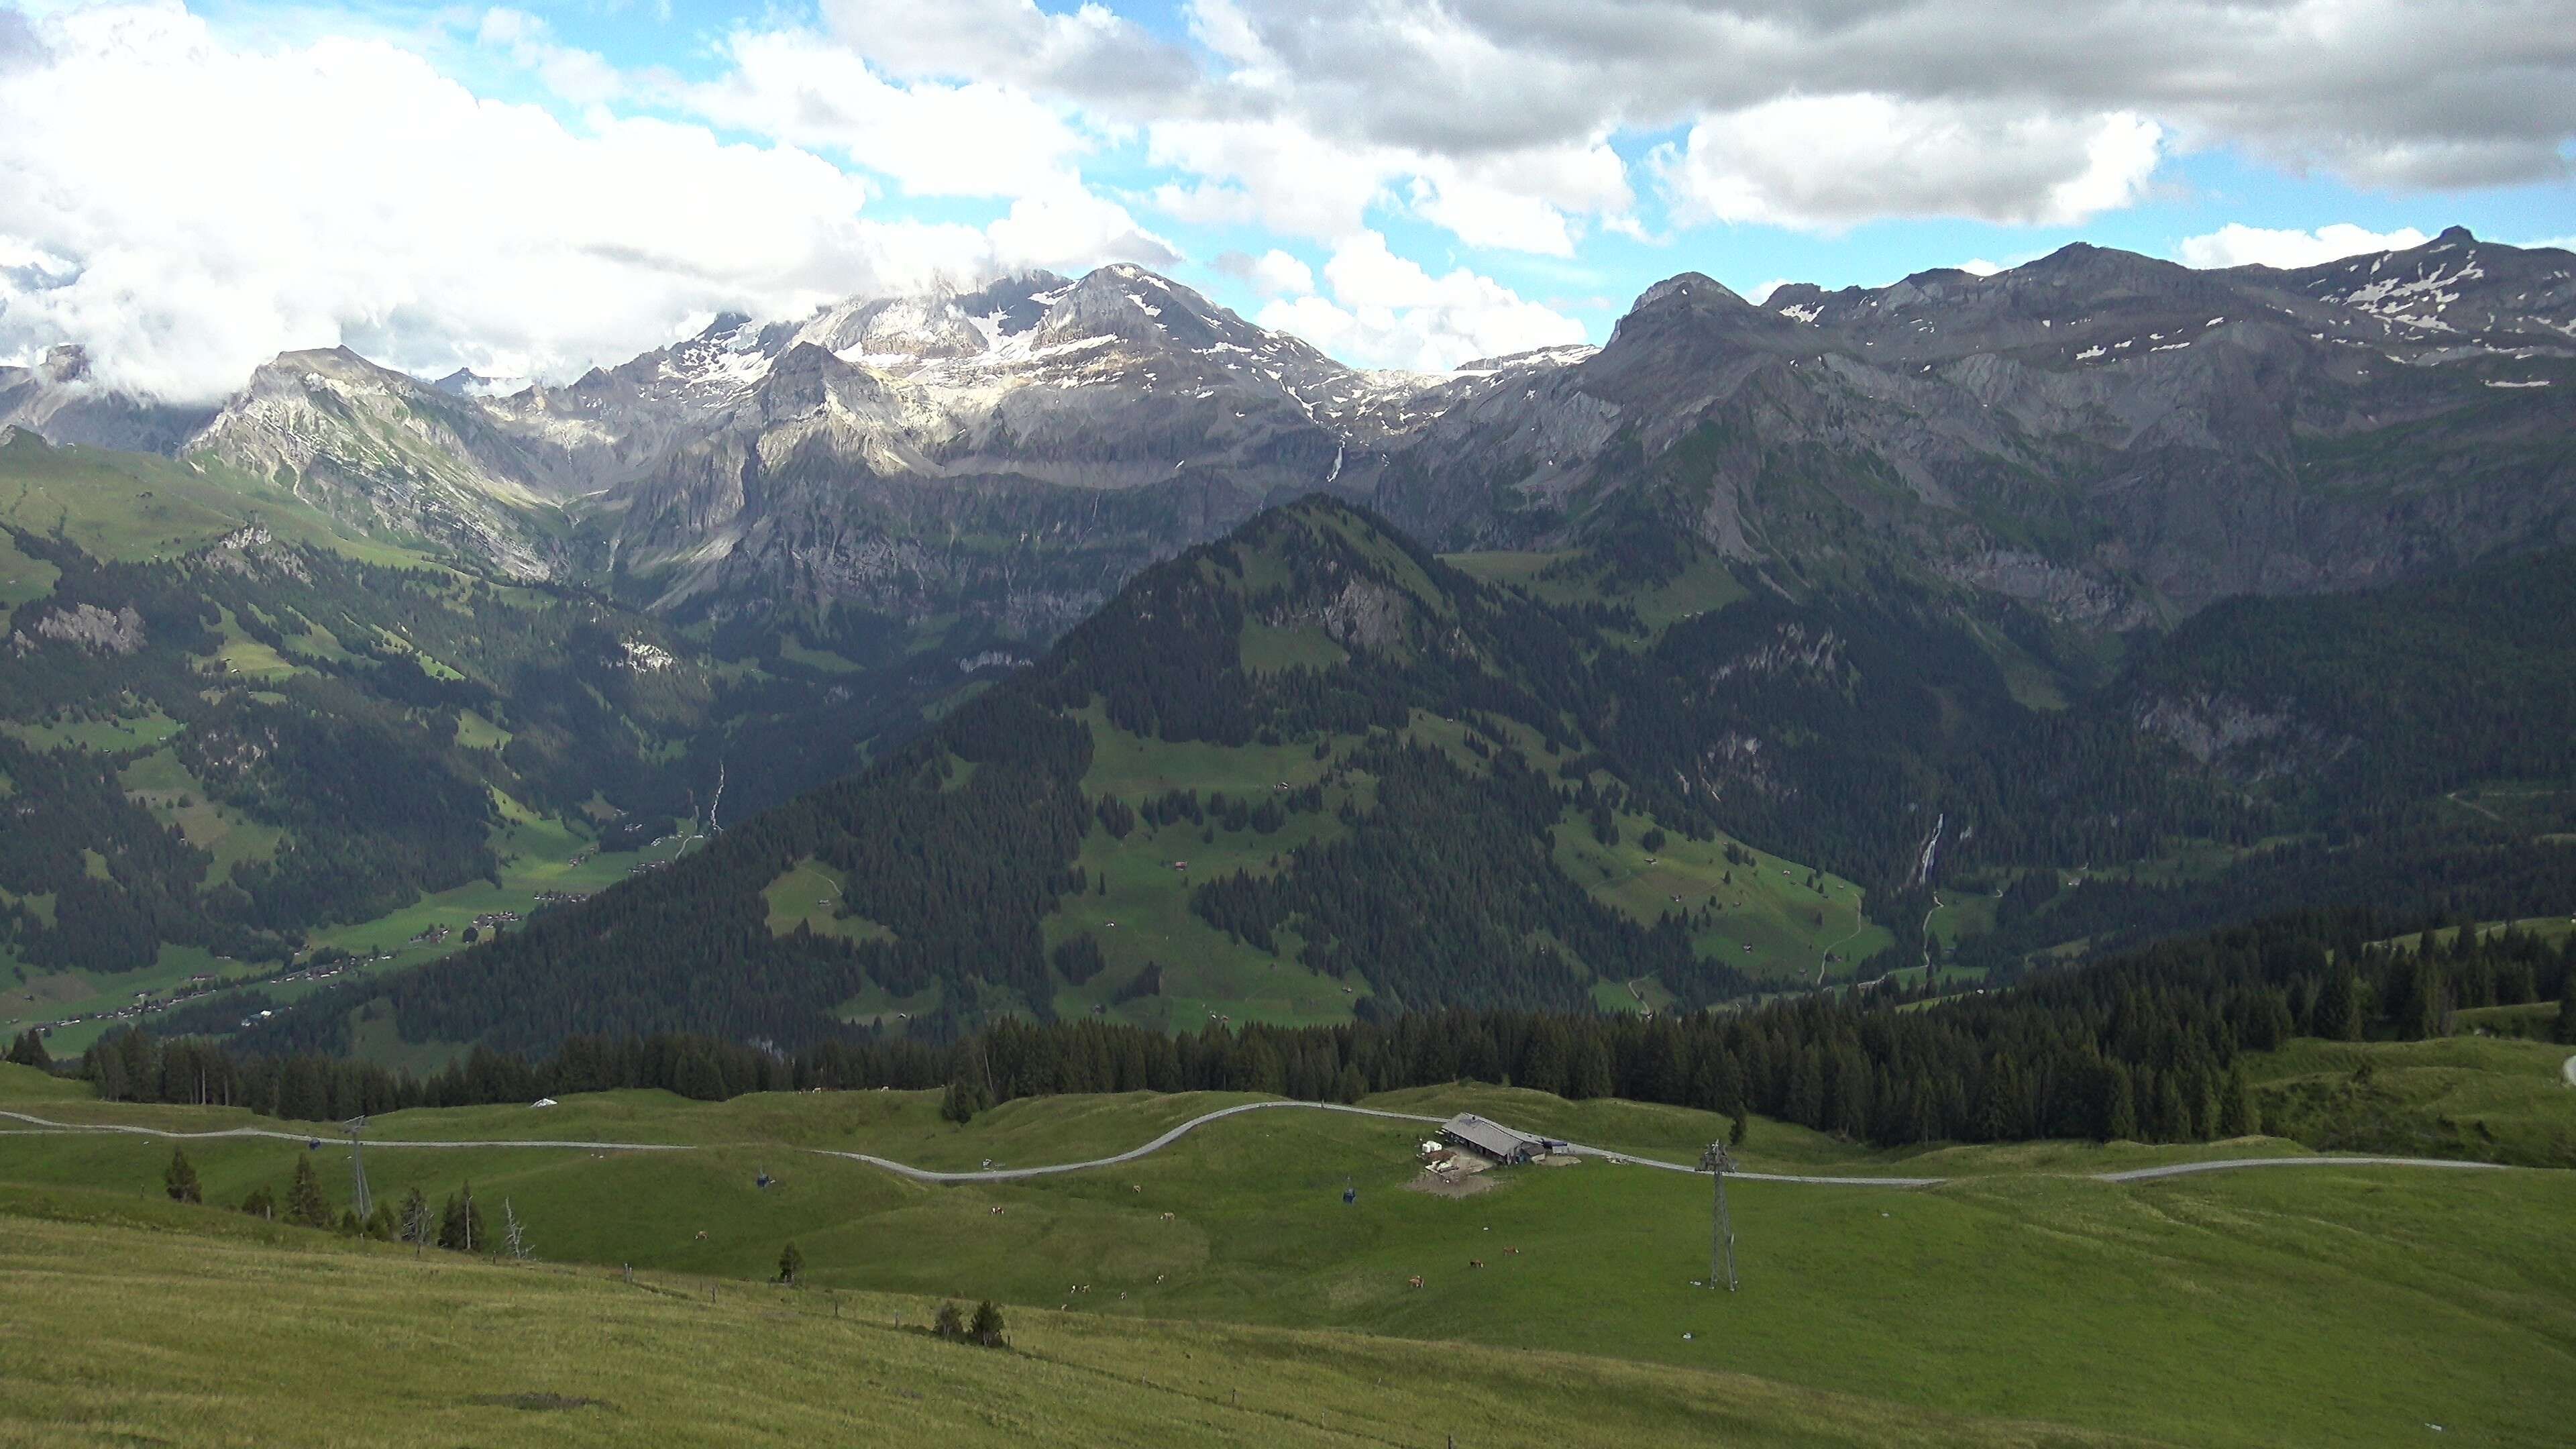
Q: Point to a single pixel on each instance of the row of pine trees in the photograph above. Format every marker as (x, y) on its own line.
(456, 1227)
(2147, 1046)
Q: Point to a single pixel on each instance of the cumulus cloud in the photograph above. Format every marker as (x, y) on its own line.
(2237, 245)
(1828, 162)
(1387, 311)
(2401, 92)
(187, 208)
(1273, 274)
(932, 138)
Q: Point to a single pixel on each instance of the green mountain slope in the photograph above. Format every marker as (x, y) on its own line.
(235, 734)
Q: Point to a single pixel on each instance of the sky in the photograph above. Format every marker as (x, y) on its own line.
(187, 190)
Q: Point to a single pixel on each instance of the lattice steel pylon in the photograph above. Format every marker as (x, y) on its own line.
(361, 1202)
(1718, 1162)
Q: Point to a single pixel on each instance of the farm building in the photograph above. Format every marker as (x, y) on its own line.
(1494, 1140)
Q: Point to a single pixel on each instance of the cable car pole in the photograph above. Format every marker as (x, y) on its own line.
(1718, 1162)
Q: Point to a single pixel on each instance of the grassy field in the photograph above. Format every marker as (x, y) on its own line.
(810, 896)
(452, 1351)
(1768, 922)
(132, 506)
(2462, 1096)
(2247, 1308)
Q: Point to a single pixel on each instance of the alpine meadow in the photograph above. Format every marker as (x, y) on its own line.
(1179, 725)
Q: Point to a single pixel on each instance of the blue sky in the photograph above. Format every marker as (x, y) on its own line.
(536, 188)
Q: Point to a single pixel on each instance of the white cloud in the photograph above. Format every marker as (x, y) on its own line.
(1071, 230)
(1980, 267)
(580, 76)
(1386, 311)
(190, 208)
(1273, 274)
(2237, 245)
(1830, 162)
(932, 138)
(1761, 295)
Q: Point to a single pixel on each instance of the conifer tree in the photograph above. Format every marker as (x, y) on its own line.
(460, 1224)
(179, 1179)
(2237, 1115)
(791, 1265)
(2338, 1016)
(2120, 1123)
(304, 1204)
(28, 1050)
(987, 1328)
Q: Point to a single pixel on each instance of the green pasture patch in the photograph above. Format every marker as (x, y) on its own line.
(1789, 926)
(23, 580)
(1268, 649)
(133, 728)
(809, 895)
(793, 649)
(2482, 1098)
(474, 732)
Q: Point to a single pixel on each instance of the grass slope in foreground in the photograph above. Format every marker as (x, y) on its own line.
(288, 1337)
(2252, 1308)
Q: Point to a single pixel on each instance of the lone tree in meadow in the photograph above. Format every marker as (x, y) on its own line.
(987, 1328)
(304, 1204)
(415, 1224)
(179, 1179)
(791, 1265)
(948, 1322)
(965, 1098)
(460, 1224)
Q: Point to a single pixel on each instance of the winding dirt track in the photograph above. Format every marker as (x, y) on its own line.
(1019, 1174)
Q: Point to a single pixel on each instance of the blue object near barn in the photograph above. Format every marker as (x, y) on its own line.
(1350, 1195)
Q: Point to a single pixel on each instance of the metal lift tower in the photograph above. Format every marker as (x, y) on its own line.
(1721, 1249)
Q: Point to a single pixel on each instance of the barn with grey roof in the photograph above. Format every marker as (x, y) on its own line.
(1494, 1140)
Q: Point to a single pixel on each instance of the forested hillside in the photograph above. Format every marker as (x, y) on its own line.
(1313, 771)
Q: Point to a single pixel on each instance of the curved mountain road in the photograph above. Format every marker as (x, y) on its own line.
(45, 1126)
(42, 1125)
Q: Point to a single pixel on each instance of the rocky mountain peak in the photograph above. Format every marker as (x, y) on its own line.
(65, 362)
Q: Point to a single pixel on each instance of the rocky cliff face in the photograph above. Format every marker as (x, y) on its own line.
(2106, 438)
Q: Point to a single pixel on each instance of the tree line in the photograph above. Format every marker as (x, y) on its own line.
(2145, 1046)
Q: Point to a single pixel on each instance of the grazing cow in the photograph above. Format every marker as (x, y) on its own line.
(702, 1235)
(1158, 1277)
(1475, 1262)
(997, 1212)
(1511, 1252)
(1135, 1187)
(1413, 1282)
(1168, 1217)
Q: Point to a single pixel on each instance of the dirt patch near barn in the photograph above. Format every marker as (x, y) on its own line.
(1440, 1184)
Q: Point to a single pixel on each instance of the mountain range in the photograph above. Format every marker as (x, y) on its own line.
(1689, 666)
(2111, 440)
